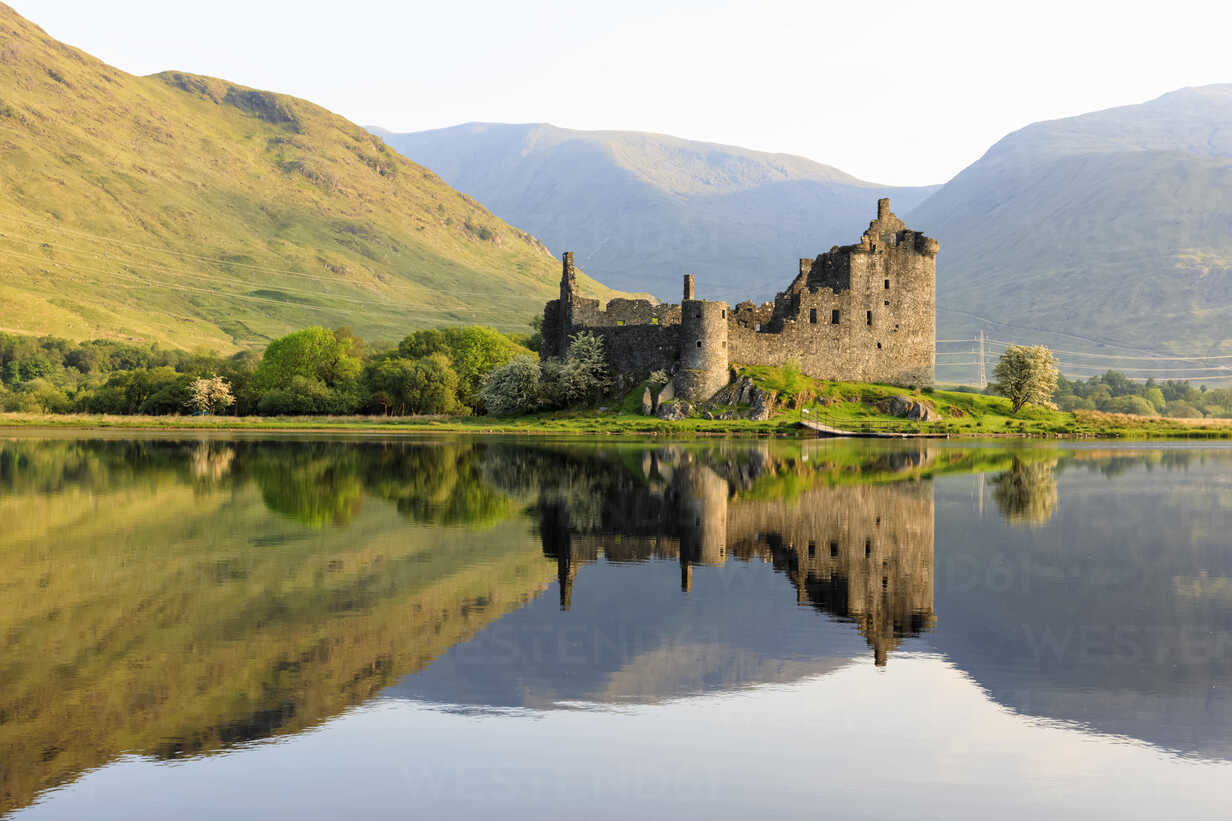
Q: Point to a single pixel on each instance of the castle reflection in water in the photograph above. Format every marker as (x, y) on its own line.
(861, 553)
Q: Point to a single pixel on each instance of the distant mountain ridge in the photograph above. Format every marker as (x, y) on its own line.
(640, 209)
(1115, 226)
(199, 213)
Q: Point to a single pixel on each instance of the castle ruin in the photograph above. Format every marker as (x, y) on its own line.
(860, 313)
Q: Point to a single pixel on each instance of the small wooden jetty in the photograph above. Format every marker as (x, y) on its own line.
(871, 429)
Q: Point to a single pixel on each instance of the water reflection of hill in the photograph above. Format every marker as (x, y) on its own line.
(1116, 613)
(154, 605)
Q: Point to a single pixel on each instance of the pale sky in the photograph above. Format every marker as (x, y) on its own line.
(895, 92)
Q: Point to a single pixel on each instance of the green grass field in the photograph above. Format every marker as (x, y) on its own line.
(965, 416)
(197, 213)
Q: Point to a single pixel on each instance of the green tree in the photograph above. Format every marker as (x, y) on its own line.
(425, 385)
(434, 386)
(1130, 404)
(474, 351)
(1180, 409)
(1026, 375)
(314, 354)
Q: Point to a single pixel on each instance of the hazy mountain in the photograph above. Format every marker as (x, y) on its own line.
(193, 211)
(1113, 226)
(641, 209)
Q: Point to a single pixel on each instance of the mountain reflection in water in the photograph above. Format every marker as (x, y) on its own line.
(171, 597)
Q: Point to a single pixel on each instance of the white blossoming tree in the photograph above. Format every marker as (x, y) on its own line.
(210, 395)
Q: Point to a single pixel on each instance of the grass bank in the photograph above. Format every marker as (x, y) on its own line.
(981, 417)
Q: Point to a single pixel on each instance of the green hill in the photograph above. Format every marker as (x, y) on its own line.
(641, 209)
(194, 212)
(1114, 226)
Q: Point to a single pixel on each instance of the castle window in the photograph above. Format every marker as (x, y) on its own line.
(868, 318)
(699, 343)
(654, 320)
(813, 315)
(620, 322)
(699, 314)
(812, 549)
(887, 303)
(834, 317)
(878, 346)
(724, 312)
(759, 326)
(868, 548)
(833, 550)
(887, 284)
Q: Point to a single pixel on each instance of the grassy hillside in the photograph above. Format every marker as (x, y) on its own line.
(1109, 229)
(195, 212)
(641, 209)
(174, 598)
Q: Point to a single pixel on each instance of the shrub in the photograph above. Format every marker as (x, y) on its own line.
(580, 379)
(1180, 409)
(513, 388)
(1135, 405)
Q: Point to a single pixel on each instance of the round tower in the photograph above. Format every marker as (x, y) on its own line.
(703, 349)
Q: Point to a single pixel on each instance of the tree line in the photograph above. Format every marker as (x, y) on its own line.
(314, 371)
(457, 370)
(1029, 375)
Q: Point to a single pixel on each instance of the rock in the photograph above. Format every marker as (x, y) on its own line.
(673, 410)
(666, 394)
(710, 415)
(647, 403)
(763, 404)
(744, 396)
(905, 407)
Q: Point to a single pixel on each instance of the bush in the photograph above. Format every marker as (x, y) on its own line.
(1135, 405)
(306, 397)
(514, 388)
(583, 377)
(1180, 409)
(169, 400)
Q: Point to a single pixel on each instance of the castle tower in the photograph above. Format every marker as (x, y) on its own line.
(568, 293)
(703, 346)
(703, 519)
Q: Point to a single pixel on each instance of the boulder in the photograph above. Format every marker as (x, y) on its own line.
(647, 403)
(666, 394)
(673, 410)
(763, 404)
(906, 407)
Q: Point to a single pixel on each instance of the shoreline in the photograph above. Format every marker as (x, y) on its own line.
(621, 425)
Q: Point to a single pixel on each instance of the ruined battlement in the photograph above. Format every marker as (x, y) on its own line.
(864, 312)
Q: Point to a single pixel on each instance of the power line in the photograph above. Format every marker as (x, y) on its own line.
(1002, 343)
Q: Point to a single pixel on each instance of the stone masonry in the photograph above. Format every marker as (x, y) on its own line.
(860, 313)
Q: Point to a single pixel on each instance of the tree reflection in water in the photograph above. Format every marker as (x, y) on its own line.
(1027, 492)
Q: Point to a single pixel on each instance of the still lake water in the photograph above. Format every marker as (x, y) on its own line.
(233, 627)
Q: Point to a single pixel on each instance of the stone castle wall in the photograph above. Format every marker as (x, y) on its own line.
(863, 313)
